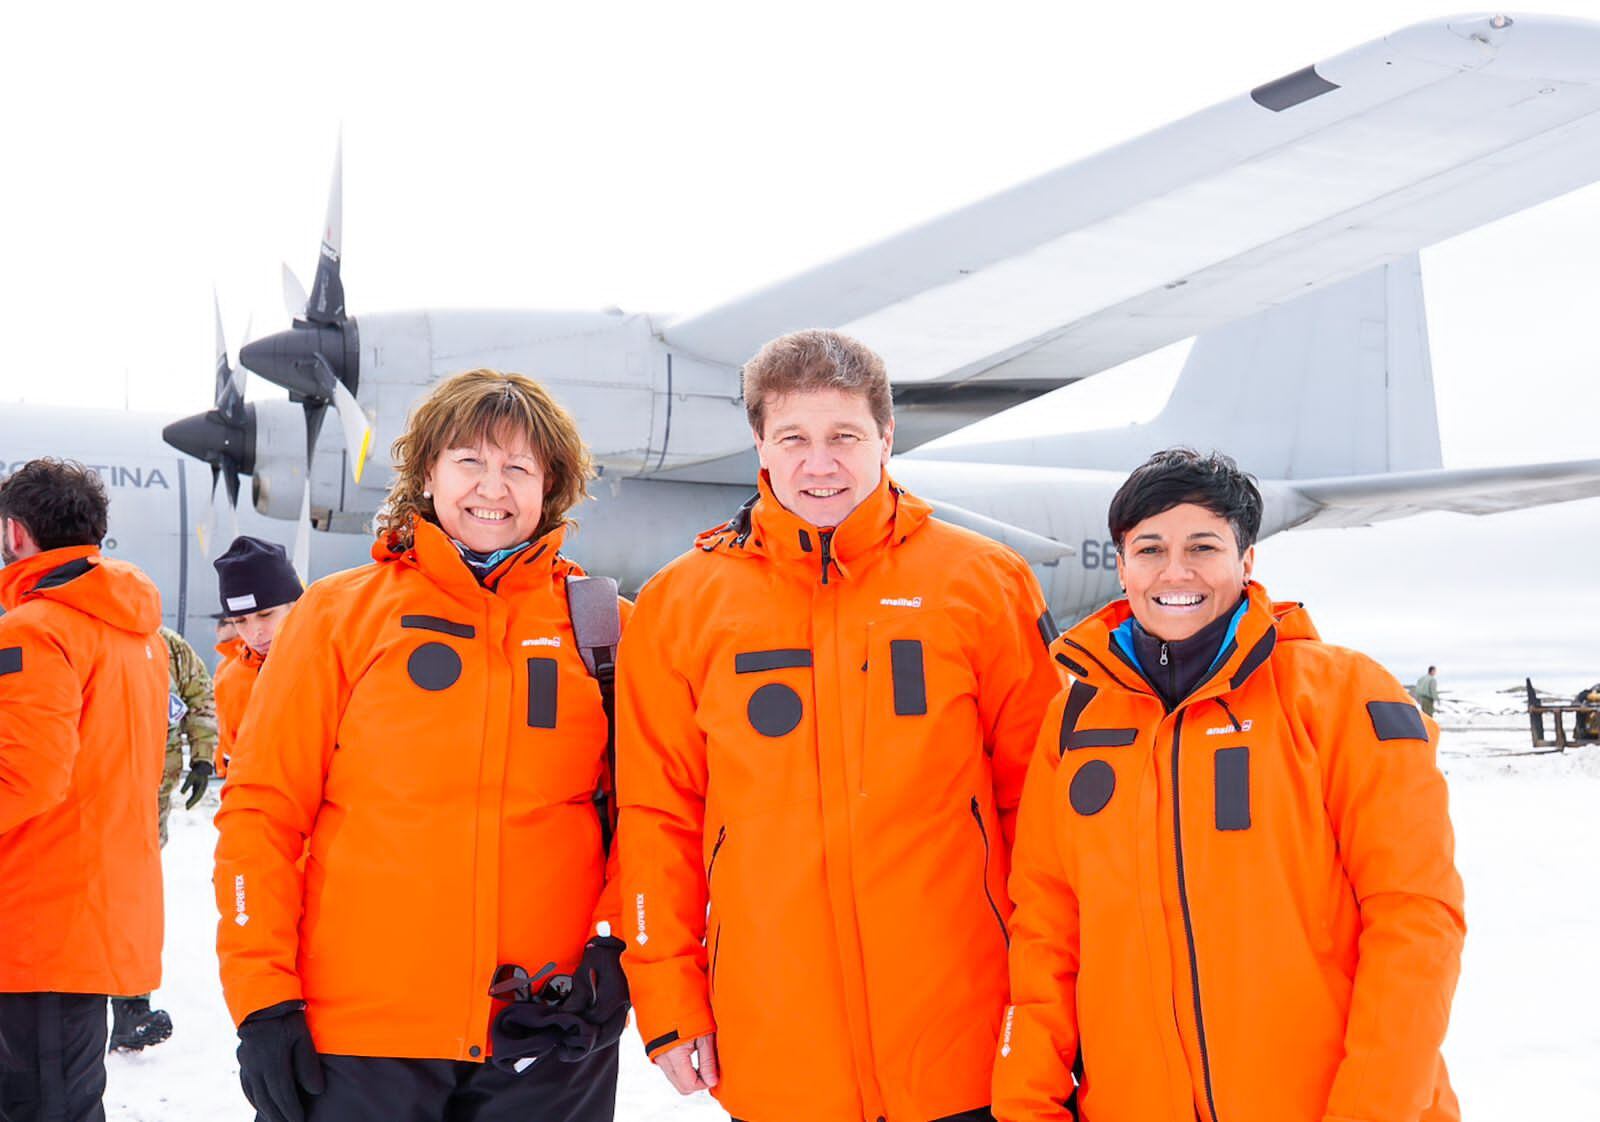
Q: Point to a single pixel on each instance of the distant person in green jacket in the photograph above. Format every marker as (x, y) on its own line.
(1426, 691)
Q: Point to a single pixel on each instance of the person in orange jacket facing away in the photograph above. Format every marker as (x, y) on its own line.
(1235, 892)
(83, 735)
(426, 724)
(825, 710)
(257, 586)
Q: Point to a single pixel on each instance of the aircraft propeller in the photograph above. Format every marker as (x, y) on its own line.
(318, 358)
(223, 437)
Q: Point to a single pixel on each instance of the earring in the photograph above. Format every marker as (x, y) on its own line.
(427, 494)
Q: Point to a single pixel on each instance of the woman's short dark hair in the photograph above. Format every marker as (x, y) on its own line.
(62, 503)
(1181, 475)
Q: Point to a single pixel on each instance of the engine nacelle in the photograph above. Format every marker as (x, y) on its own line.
(279, 479)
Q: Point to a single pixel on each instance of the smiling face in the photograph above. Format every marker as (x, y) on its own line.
(489, 496)
(1182, 569)
(822, 452)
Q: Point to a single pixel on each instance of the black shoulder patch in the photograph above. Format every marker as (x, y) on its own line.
(1258, 654)
(443, 626)
(1048, 631)
(1077, 670)
(10, 661)
(1396, 720)
(1078, 698)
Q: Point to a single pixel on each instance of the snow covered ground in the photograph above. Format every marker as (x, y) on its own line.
(1524, 1040)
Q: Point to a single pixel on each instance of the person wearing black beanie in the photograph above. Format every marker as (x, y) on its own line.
(257, 586)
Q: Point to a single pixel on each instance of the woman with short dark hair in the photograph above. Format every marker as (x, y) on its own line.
(1234, 880)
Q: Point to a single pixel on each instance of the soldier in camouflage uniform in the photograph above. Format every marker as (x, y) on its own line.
(191, 718)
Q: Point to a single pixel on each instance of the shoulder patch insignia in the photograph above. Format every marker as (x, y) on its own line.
(1396, 720)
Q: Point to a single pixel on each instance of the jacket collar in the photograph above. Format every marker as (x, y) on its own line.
(1092, 654)
(23, 578)
(241, 652)
(435, 555)
(764, 527)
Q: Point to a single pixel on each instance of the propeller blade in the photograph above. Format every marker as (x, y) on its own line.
(230, 476)
(326, 304)
(222, 353)
(206, 529)
(294, 294)
(240, 372)
(302, 537)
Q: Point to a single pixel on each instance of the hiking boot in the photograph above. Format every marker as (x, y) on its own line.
(135, 1025)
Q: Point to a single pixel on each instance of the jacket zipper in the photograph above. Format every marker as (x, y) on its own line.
(977, 816)
(722, 836)
(1188, 922)
(827, 552)
(716, 940)
(716, 948)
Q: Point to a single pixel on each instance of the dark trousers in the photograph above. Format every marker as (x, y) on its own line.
(378, 1089)
(52, 1057)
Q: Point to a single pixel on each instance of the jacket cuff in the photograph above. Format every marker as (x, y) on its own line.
(671, 1038)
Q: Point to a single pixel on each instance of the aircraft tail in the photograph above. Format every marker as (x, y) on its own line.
(1335, 383)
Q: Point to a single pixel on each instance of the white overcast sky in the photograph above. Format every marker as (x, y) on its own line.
(664, 157)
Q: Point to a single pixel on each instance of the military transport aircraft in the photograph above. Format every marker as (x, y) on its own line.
(1280, 227)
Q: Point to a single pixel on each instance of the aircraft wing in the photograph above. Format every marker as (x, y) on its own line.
(1363, 499)
(1319, 175)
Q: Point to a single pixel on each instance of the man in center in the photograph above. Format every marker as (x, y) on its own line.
(826, 709)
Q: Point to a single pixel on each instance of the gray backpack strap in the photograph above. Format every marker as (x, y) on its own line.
(592, 602)
(596, 619)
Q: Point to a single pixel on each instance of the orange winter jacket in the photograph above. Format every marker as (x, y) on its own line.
(231, 687)
(83, 736)
(823, 735)
(1244, 910)
(438, 743)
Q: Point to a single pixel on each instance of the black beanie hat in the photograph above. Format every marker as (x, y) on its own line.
(254, 575)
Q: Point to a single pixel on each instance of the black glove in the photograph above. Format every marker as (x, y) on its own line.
(600, 989)
(568, 1024)
(277, 1061)
(194, 784)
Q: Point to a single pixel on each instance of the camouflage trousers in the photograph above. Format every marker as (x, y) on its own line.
(170, 772)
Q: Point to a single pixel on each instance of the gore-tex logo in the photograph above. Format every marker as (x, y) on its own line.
(902, 602)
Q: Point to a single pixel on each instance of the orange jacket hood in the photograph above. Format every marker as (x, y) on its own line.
(114, 592)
